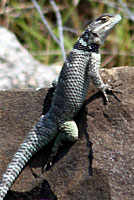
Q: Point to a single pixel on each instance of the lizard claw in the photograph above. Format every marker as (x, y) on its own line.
(113, 90)
(50, 160)
(105, 96)
(47, 165)
(108, 88)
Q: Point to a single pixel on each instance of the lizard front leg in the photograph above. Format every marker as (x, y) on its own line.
(68, 131)
(95, 76)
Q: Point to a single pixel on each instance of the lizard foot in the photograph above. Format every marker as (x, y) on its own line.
(50, 161)
(108, 88)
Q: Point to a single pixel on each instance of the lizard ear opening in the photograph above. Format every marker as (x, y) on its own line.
(96, 39)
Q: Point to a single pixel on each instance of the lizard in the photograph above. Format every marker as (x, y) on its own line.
(80, 68)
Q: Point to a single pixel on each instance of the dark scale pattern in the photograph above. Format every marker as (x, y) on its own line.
(81, 66)
(72, 86)
(92, 48)
(83, 43)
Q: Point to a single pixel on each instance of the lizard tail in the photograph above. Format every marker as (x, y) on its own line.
(41, 134)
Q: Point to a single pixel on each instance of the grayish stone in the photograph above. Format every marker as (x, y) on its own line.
(18, 69)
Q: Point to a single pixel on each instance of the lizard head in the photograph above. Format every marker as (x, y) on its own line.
(102, 26)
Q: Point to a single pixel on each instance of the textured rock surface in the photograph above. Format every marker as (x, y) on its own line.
(110, 128)
(18, 69)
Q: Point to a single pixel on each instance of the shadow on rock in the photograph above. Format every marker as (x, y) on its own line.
(42, 191)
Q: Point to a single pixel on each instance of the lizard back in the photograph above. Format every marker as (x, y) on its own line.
(74, 80)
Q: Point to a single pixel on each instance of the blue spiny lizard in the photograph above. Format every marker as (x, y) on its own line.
(80, 68)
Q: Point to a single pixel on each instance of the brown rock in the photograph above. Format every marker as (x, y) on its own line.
(110, 128)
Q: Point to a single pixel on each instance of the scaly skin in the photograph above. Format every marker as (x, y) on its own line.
(81, 67)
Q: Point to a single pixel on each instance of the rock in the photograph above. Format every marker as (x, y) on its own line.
(18, 69)
(110, 128)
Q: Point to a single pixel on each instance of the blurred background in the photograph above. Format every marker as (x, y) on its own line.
(22, 18)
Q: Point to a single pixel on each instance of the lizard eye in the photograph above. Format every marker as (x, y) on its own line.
(103, 19)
